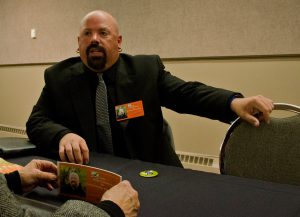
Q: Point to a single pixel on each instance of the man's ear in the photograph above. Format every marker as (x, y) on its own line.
(120, 42)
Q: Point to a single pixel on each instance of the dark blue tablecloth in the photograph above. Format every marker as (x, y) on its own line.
(178, 192)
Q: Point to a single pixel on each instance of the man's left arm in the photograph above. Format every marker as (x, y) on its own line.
(195, 98)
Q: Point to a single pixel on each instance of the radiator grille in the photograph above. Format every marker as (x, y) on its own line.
(198, 161)
(12, 129)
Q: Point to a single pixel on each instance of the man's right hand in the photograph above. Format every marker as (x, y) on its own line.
(125, 196)
(73, 148)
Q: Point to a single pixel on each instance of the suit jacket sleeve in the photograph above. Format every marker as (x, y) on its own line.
(194, 97)
(42, 127)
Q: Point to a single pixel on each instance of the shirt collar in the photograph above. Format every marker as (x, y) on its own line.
(109, 75)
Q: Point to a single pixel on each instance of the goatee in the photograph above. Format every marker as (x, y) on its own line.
(99, 62)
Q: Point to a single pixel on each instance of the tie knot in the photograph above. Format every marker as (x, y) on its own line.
(100, 76)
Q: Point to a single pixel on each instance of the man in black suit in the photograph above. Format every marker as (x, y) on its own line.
(64, 119)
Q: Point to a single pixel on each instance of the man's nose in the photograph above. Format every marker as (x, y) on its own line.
(95, 37)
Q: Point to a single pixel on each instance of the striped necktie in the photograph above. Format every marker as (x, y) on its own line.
(102, 117)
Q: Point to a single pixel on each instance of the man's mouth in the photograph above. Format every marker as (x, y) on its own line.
(96, 57)
(95, 52)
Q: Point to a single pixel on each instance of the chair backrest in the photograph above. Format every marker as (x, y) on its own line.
(269, 152)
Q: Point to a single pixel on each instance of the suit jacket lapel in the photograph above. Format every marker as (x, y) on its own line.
(125, 85)
(126, 92)
(83, 104)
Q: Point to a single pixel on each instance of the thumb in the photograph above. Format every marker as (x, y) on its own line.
(44, 177)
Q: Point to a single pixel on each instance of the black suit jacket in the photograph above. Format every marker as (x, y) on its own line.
(66, 105)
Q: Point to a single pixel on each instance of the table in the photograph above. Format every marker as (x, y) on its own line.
(178, 192)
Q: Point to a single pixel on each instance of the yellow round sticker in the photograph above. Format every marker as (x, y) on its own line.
(148, 173)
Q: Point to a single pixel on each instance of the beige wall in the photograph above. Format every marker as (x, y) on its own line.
(170, 28)
(20, 87)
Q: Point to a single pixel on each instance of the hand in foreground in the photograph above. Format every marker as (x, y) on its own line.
(38, 173)
(253, 109)
(125, 197)
(74, 149)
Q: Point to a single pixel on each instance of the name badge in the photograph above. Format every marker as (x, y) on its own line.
(129, 110)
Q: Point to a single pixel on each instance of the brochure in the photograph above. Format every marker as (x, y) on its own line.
(7, 167)
(85, 182)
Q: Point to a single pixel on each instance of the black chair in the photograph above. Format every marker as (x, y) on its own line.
(167, 134)
(269, 152)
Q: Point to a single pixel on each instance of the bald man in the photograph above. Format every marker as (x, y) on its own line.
(63, 121)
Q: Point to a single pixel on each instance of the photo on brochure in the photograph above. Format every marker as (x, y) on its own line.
(85, 182)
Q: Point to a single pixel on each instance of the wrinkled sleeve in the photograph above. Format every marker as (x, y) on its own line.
(79, 208)
(9, 205)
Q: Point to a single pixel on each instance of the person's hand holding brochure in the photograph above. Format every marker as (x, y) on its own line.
(103, 188)
(85, 182)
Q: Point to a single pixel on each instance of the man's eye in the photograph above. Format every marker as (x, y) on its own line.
(104, 33)
(87, 33)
